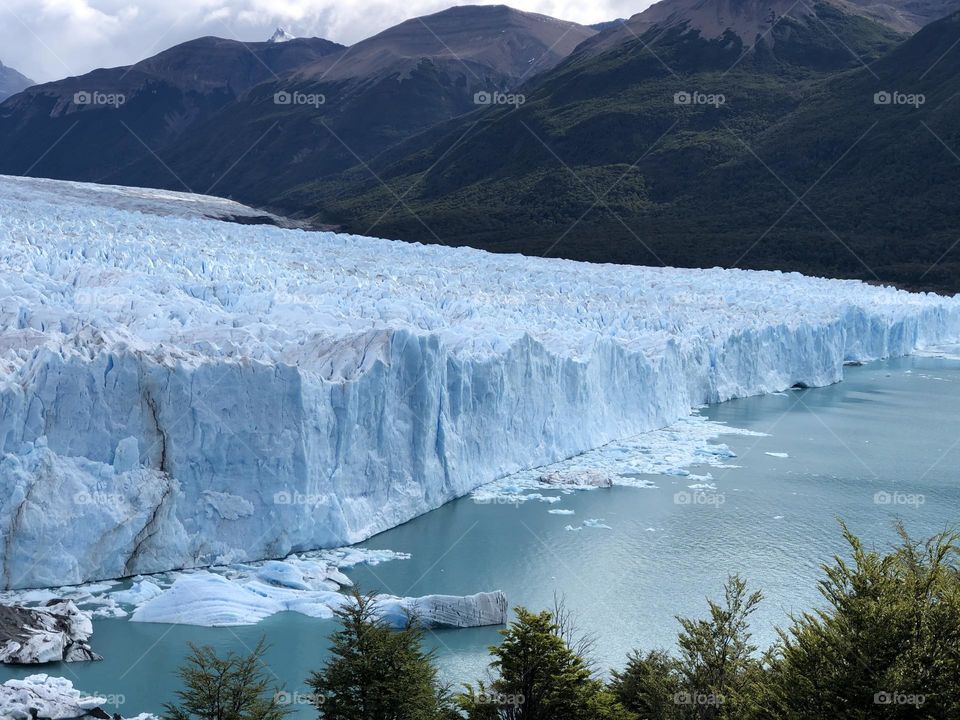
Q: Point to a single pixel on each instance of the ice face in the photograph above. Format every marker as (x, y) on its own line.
(177, 391)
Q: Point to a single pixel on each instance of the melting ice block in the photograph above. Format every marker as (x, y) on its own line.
(57, 632)
(213, 600)
(50, 698)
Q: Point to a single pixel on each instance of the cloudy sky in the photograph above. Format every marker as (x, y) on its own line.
(50, 39)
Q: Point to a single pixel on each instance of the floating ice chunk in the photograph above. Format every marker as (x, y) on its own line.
(60, 631)
(947, 352)
(50, 698)
(561, 511)
(446, 611)
(577, 478)
(277, 572)
(141, 591)
(212, 600)
(206, 599)
(596, 523)
(346, 558)
(778, 454)
(542, 498)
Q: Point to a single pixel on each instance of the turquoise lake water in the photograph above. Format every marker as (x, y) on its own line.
(890, 427)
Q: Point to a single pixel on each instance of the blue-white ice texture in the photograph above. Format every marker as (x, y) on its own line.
(178, 391)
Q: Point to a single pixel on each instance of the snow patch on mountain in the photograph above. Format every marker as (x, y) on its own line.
(177, 391)
(281, 35)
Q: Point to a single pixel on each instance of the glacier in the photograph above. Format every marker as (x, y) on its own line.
(177, 391)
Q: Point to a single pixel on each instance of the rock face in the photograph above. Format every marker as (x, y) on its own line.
(41, 697)
(56, 633)
(446, 611)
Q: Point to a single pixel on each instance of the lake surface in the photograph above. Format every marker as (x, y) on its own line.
(891, 427)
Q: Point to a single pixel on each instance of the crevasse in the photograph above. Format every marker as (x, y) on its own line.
(179, 391)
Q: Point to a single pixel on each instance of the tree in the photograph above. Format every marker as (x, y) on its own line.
(713, 676)
(539, 678)
(568, 629)
(649, 686)
(376, 672)
(230, 688)
(716, 656)
(887, 644)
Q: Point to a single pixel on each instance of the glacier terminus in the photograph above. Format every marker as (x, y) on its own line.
(178, 391)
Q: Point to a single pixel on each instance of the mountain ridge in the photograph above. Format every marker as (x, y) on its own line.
(12, 81)
(604, 164)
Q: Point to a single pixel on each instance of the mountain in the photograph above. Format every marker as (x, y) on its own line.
(753, 19)
(672, 148)
(907, 15)
(495, 41)
(12, 82)
(794, 31)
(607, 24)
(347, 107)
(89, 126)
(281, 35)
(266, 117)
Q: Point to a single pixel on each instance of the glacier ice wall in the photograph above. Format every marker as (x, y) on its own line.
(177, 391)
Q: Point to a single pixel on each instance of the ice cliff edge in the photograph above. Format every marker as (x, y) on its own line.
(177, 391)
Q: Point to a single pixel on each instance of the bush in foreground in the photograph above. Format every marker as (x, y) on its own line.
(887, 644)
(376, 672)
(231, 688)
(539, 678)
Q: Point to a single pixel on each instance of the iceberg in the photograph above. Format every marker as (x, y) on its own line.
(445, 611)
(177, 391)
(57, 632)
(42, 697)
(214, 600)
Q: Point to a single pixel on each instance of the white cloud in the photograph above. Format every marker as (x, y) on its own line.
(49, 39)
